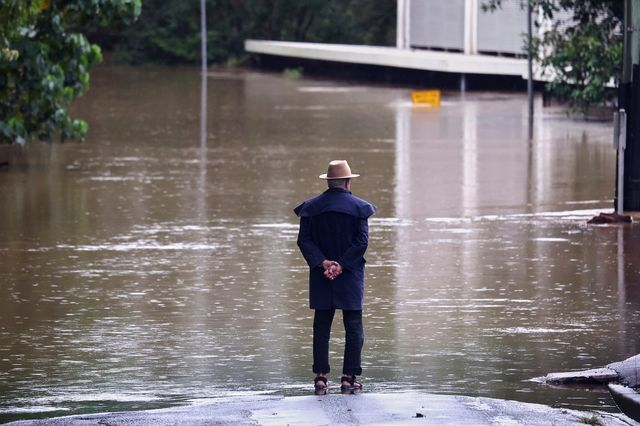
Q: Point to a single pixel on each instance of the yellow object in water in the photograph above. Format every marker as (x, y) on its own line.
(431, 97)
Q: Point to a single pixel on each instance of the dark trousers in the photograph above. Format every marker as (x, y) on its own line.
(354, 335)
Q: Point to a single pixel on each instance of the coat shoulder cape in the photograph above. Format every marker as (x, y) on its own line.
(339, 201)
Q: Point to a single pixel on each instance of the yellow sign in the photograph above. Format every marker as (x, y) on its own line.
(431, 97)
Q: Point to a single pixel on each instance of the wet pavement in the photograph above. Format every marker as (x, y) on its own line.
(148, 267)
(398, 408)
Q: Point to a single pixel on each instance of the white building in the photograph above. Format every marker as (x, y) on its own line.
(453, 36)
(461, 26)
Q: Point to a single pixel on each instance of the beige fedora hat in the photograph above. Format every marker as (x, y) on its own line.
(338, 169)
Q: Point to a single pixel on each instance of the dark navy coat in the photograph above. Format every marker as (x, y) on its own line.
(334, 226)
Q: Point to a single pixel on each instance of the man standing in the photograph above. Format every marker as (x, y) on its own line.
(333, 237)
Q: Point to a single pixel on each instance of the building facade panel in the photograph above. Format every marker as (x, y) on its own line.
(437, 24)
(502, 31)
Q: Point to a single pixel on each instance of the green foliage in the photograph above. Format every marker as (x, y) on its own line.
(47, 63)
(582, 53)
(12, 14)
(586, 57)
(169, 31)
(293, 73)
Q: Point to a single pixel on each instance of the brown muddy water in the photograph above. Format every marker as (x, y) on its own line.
(147, 267)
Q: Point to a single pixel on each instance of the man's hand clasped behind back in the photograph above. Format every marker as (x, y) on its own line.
(331, 269)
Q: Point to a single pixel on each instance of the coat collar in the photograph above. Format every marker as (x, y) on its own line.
(336, 200)
(330, 190)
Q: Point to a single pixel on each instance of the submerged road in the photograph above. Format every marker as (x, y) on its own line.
(143, 269)
(389, 408)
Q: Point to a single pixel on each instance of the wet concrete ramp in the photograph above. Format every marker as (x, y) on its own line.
(390, 408)
(628, 371)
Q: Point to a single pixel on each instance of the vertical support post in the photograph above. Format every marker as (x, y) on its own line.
(627, 56)
(203, 94)
(203, 77)
(624, 97)
(530, 68)
(201, 200)
(470, 36)
(619, 141)
(203, 34)
(402, 23)
(623, 139)
(629, 99)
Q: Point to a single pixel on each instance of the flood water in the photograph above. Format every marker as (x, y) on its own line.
(149, 267)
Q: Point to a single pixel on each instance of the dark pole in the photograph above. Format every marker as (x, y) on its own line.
(624, 104)
(203, 34)
(203, 95)
(629, 100)
(203, 77)
(530, 68)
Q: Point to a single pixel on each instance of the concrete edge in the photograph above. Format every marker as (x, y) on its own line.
(392, 57)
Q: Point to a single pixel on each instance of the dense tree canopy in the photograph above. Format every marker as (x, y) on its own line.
(581, 53)
(168, 31)
(45, 61)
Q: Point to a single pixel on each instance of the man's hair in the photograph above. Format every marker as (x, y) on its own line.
(336, 183)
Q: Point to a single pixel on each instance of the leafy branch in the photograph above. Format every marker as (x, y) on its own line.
(45, 62)
(581, 50)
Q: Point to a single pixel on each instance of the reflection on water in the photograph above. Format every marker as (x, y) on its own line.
(149, 267)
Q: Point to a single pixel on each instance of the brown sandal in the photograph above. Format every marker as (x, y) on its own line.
(320, 383)
(352, 386)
